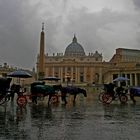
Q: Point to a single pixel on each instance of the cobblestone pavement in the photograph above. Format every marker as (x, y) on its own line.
(87, 119)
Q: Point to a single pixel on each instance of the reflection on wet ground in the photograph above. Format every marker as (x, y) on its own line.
(87, 119)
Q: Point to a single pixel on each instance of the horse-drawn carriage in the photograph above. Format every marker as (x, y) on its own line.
(37, 89)
(110, 93)
(4, 90)
(7, 92)
(54, 92)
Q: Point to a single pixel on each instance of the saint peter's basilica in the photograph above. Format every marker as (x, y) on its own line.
(80, 68)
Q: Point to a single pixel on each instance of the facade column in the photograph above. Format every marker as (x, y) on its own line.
(61, 73)
(53, 71)
(78, 74)
(65, 74)
(100, 75)
(85, 73)
(136, 82)
(130, 79)
(72, 73)
(91, 74)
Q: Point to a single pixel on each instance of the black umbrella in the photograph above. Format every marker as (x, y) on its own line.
(51, 78)
(19, 74)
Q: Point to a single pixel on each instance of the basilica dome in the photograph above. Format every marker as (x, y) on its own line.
(74, 49)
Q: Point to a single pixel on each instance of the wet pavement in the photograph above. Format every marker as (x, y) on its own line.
(87, 119)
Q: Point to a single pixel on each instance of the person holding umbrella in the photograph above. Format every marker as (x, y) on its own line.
(15, 88)
(123, 88)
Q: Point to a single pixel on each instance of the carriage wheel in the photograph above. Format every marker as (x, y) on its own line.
(123, 99)
(107, 98)
(21, 100)
(101, 96)
(54, 99)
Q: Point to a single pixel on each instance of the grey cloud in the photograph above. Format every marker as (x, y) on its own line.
(20, 27)
(17, 22)
(94, 30)
(137, 4)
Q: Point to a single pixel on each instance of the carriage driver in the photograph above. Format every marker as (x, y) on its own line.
(123, 89)
(109, 88)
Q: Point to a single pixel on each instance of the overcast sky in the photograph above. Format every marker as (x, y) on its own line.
(101, 25)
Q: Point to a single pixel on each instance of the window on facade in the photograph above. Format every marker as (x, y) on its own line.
(74, 69)
(56, 69)
(128, 76)
(81, 73)
(68, 69)
(88, 77)
(63, 79)
(50, 71)
(81, 78)
(115, 76)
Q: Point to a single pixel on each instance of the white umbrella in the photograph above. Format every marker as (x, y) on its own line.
(120, 79)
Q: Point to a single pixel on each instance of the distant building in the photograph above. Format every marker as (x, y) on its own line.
(5, 69)
(126, 63)
(76, 67)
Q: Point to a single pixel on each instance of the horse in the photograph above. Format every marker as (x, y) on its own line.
(39, 88)
(72, 90)
(134, 92)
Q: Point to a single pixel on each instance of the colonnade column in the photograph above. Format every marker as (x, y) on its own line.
(130, 79)
(65, 74)
(84, 73)
(136, 82)
(77, 74)
(61, 74)
(100, 75)
(72, 73)
(53, 71)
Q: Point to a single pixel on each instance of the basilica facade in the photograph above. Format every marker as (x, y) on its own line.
(77, 67)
